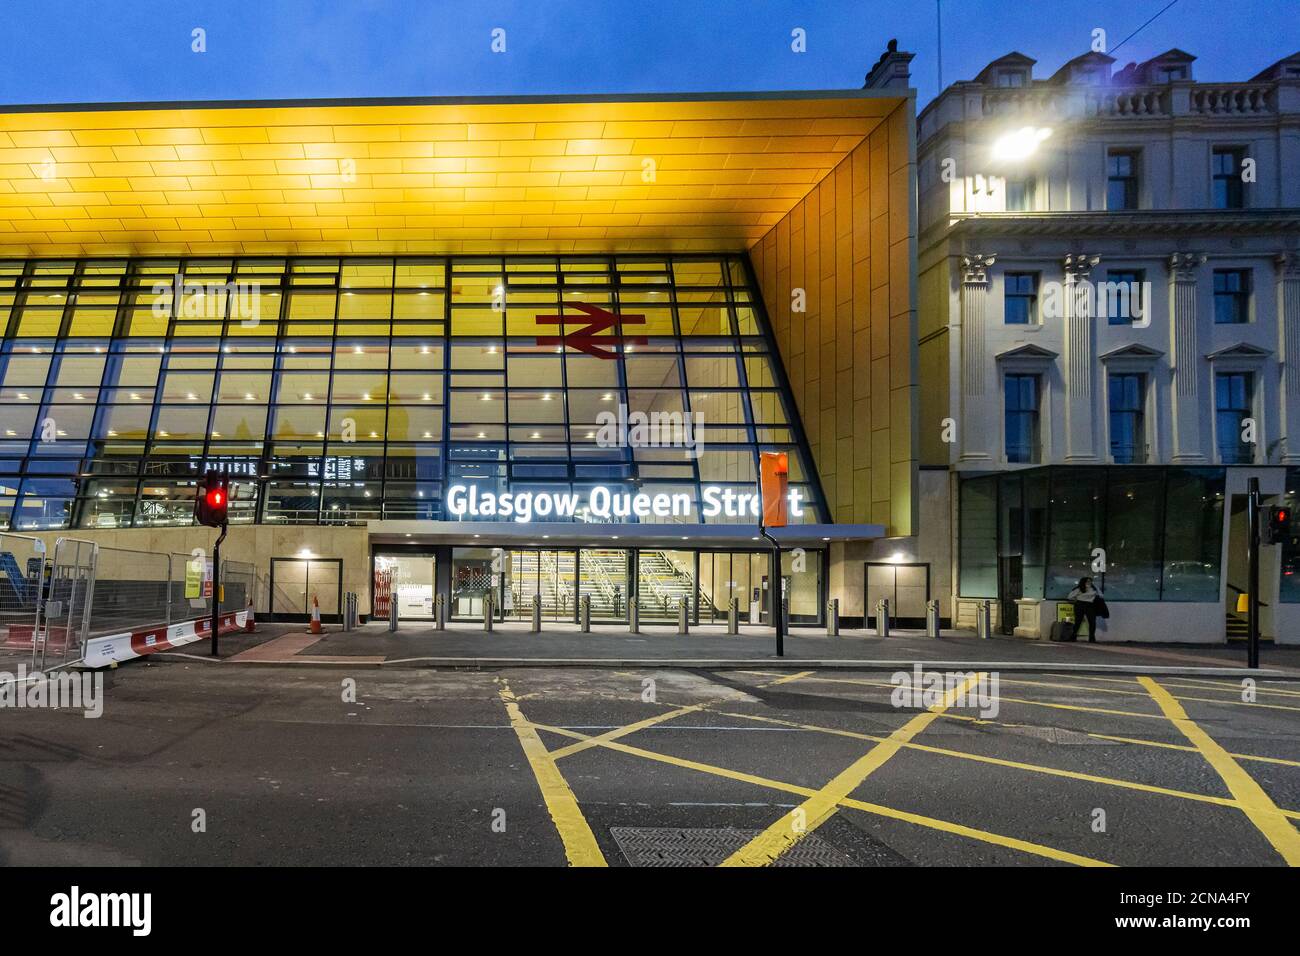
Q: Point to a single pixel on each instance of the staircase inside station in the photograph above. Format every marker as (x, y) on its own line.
(553, 575)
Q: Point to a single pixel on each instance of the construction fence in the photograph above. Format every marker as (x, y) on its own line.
(53, 603)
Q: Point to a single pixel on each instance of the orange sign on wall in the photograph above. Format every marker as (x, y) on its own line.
(774, 478)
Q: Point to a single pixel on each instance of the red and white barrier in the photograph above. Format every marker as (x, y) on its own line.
(102, 651)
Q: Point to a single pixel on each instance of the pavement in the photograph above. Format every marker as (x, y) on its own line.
(195, 764)
(561, 645)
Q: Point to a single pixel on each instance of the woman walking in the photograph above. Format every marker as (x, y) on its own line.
(1085, 599)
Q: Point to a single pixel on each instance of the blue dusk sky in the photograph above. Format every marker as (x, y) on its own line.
(60, 51)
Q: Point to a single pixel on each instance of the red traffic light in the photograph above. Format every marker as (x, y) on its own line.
(1276, 528)
(212, 501)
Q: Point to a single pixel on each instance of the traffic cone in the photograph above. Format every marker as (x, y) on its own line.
(315, 615)
(249, 623)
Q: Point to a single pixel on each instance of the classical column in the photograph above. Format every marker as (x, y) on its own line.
(1080, 420)
(975, 440)
(1184, 353)
(1287, 274)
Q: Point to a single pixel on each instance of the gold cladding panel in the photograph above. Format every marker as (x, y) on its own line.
(598, 176)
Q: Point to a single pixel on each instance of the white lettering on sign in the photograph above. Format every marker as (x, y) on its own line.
(606, 504)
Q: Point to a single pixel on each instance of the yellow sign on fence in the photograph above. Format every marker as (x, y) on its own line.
(193, 578)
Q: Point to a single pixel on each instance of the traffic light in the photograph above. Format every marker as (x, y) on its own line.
(1276, 528)
(212, 501)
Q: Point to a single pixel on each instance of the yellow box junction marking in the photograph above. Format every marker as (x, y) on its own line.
(933, 823)
(799, 822)
(1250, 796)
(579, 842)
(1015, 764)
(616, 733)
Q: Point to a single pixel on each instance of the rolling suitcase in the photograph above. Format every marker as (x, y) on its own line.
(1062, 631)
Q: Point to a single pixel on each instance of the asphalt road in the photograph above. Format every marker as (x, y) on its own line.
(747, 768)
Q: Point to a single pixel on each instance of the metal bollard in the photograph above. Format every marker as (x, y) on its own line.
(882, 617)
(537, 614)
(584, 614)
(984, 619)
(733, 617)
(634, 616)
(833, 618)
(392, 613)
(488, 622)
(932, 619)
(439, 614)
(684, 616)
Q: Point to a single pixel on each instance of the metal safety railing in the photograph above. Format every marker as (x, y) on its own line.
(63, 620)
(131, 590)
(22, 571)
(84, 590)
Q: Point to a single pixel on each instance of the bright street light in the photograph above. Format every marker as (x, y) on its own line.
(1021, 143)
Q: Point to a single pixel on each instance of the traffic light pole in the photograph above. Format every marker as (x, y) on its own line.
(778, 604)
(216, 586)
(1252, 583)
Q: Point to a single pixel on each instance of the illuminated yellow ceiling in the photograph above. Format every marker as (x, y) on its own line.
(540, 175)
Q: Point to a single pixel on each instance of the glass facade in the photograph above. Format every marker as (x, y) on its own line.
(1161, 530)
(657, 579)
(338, 390)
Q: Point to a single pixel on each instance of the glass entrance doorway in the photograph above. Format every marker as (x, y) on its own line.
(550, 574)
(408, 580)
(473, 574)
(604, 578)
(727, 575)
(664, 579)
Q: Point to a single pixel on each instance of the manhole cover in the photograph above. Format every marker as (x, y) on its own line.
(1054, 735)
(681, 846)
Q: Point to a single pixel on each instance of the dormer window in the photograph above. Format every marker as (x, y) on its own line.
(1011, 79)
(1171, 74)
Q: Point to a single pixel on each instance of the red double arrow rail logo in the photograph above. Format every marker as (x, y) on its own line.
(588, 338)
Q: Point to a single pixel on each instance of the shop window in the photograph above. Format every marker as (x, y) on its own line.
(1289, 553)
(1193, 534)
(1135, 516)
(1077, 511)
(978, 544)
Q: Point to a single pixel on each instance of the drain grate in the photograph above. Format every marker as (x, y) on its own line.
(683, 846)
